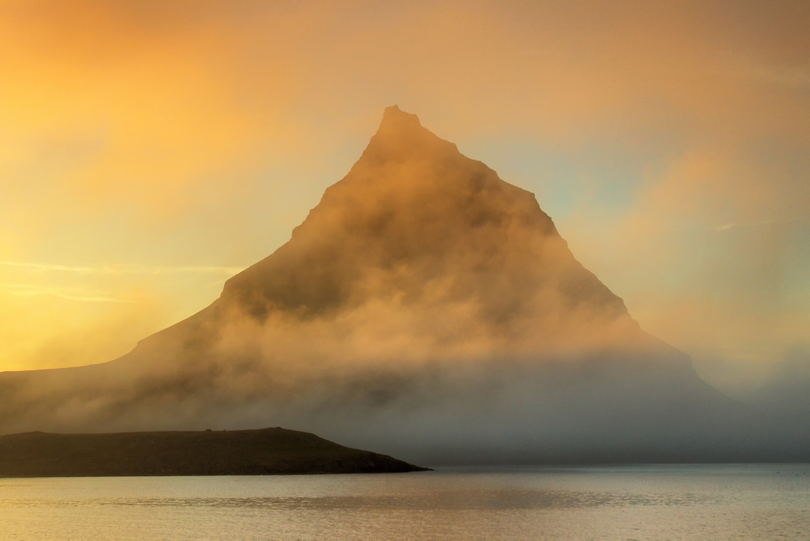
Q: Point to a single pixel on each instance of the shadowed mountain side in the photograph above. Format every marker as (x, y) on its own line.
(426, 306)
(416, 221)
(241, 452)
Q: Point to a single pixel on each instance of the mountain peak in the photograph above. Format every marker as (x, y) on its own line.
(395, 121)
(402, 134)
(394, 115)
(415, 214)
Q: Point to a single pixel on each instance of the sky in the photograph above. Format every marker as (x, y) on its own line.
(149, 150)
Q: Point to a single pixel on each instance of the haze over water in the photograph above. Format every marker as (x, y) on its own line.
(623, 502)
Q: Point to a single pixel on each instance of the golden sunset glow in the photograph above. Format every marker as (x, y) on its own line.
(150, 150)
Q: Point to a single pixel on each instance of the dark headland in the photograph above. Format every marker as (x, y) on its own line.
(222, 452)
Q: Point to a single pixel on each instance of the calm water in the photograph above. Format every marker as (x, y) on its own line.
(634, 502)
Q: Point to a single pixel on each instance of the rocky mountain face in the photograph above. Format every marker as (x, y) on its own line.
(424, 307)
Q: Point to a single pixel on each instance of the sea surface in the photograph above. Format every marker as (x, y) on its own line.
(713, 502)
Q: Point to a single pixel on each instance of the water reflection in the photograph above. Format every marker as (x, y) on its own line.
(502, 499)
(673, 502)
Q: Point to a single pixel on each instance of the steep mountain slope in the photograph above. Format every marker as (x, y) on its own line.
(424, 306)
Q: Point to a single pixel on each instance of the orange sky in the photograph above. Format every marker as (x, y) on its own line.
(150, 149)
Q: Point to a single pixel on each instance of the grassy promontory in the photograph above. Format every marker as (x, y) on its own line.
(211, 452)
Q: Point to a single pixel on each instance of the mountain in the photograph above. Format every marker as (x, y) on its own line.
(235, 452)
(426, 308)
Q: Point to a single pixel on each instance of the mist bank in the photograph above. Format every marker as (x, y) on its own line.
(427, 309)
(598, 410)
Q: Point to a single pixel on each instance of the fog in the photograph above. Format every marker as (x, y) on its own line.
(427, 309)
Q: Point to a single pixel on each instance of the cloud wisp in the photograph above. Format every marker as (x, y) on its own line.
(124, 268)
(735, 225)
(68, 294)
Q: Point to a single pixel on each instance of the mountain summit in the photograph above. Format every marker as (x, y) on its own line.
(425, 308)
(417, 225)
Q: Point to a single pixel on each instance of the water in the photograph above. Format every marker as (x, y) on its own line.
(631, 502)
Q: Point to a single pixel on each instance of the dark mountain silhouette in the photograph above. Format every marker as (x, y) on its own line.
(426, 308)
(235, 452)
